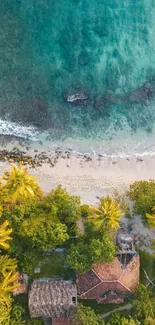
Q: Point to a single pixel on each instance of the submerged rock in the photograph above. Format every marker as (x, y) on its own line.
(79, 98)
(142, 94)
(103, 103)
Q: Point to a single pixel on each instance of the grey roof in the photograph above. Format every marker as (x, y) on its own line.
(52, 298)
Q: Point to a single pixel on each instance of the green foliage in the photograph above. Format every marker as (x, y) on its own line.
(89, 250)
(86, 316)
(43, 232)
(78, 257)
(147, 262)
(107, 216)
(4, 314)
(144, 305)
(27, 260)
(153, 244)
(17, 315)
(117, 319)
(130, 321)
(84, 210)
(67, 206)
(20, 184)
(149, 321)
(151, 218)
(43, 223)
(5, 235)
(142, 193)
(36, 321)
(8, 276)
(123, 201)
(7, 265)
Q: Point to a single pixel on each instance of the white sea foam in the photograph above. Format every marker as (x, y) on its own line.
(18, 130)
(122, 145)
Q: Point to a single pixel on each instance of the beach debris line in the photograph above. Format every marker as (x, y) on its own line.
(36, 158)
(16, 156)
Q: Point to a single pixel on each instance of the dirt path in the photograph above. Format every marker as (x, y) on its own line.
(126, 307)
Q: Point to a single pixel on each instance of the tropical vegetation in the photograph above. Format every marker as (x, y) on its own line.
(33, 223)
(106, 216)
(142, 193)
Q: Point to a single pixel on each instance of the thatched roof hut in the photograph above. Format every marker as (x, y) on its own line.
(52, 298)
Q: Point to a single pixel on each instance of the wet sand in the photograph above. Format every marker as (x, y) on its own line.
(89, 177)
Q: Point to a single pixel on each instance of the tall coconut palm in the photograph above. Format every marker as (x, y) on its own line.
(7, 264)
(107, 216)
(5, 235)
(20, 184)
(7, 285)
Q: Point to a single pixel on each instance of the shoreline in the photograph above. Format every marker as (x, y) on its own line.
(89, 176)
(123, 143)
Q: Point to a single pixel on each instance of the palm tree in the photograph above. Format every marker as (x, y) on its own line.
(20, 184)
(8, 285)
(5, 235)
(7, 264)
(106, 216)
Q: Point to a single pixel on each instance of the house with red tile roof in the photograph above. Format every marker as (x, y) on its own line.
(111, 282)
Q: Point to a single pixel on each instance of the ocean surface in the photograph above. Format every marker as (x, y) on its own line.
(103, 50)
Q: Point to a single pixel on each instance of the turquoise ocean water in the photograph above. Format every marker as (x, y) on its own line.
(104, 48)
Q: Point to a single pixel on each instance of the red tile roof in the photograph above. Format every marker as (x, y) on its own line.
(112, 278)
(130, 276)
(108, 271)
(87, 281)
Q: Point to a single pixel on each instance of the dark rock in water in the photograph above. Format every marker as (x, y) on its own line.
(142, 94)
(79, 98)
(75, 97)
(103, 103)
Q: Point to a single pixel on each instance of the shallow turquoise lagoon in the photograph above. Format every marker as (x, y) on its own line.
(102, 48)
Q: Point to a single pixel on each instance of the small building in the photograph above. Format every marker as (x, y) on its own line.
(54, 299)
(113, 281)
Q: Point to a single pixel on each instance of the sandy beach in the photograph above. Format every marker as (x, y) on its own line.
(90, 176)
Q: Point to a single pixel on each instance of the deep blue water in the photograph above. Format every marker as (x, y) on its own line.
(105, 48)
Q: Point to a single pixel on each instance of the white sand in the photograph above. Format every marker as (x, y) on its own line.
(97, 178)
(93, 179)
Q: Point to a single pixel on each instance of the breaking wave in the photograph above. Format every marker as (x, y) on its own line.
(18, 130)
